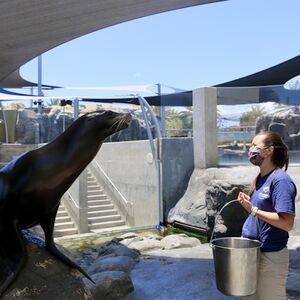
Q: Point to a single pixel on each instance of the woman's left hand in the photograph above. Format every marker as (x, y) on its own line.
(244, 200)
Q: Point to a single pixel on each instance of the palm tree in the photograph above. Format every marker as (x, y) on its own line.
(249, 117)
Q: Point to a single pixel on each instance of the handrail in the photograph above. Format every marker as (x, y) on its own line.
(72, 199)
(156, 155)
(113, 185)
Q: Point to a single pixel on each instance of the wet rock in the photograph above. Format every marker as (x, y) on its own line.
(117, 263)
(45, 277)
(114, 248)
(146, 244)
(127, 242)
(174, 241)
(110, 285)
(128, 235)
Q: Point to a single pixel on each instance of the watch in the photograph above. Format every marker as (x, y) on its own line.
(254, 210)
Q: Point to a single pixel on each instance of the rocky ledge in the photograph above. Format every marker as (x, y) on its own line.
(128, 267)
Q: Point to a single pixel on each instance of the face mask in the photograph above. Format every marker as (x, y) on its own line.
(254, 156)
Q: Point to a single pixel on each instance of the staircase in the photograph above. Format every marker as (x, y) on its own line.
(102, 216)
(63, 223)
(101, 211)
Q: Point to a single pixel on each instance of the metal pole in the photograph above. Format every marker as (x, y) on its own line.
(156, 154)
(76, 109)
(162, 112)
(40, 92)
(64, 119)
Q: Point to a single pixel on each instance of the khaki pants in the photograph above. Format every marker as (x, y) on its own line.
(272, 276)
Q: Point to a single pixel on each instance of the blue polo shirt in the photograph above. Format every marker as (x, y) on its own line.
(275, 192)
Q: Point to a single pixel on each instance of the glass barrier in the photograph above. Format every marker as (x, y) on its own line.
(238, 124)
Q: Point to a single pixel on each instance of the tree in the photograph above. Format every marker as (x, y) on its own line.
(53, 102)
(249, 117)
(186, 116)
(173, 123)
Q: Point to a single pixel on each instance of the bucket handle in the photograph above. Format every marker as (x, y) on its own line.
(218, 214)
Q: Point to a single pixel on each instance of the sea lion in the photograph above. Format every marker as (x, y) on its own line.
(32, 185)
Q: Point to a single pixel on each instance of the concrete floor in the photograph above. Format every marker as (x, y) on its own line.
(177, 274)
(186, 274)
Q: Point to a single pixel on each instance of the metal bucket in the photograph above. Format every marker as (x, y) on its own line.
(236, 263)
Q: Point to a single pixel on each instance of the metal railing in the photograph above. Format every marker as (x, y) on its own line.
(146, 108)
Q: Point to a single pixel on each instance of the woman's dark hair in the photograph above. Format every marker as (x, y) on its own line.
(280, 156)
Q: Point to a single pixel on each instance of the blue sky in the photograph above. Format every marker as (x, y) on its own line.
(186, 48)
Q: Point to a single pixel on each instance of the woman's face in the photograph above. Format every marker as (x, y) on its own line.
(258, 152)
(258, 142)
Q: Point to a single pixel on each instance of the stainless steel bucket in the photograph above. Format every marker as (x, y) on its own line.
(236, 263)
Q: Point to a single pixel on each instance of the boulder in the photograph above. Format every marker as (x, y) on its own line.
(114, 248)
(208, 191)
(110, 285)
(116, 263)
(175, 241)
(146, 244)
(285, 122)
(45, 277)
(27, 128)
(281, 129)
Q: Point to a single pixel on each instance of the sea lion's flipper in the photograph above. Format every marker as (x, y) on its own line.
(12, 253)
(47, 223)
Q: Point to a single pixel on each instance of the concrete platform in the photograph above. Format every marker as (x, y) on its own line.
(188, 274)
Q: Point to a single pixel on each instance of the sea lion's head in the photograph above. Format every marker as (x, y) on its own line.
(108, 122)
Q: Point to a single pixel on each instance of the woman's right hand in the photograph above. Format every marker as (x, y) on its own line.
(244, 200)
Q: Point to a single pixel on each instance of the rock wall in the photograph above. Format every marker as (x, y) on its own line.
(208, 191)
(287, 124)
(34, 128)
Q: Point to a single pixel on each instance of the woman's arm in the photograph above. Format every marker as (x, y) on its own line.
(284, 221)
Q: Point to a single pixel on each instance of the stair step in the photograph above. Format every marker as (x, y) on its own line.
(98, 202)
(95, 192)
(93, 184)
(96, 197)
(99, 213)
(106, 224)
(61, 213)
(93, 187)
(92, 180)
(64, 225)
(102, 219)
(100, 207)
(62, 219)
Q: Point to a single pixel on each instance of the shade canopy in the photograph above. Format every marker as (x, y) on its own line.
(29, 28)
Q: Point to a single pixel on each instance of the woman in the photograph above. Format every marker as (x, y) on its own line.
(271, 205)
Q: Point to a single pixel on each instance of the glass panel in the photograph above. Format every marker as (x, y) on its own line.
(238, 124)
